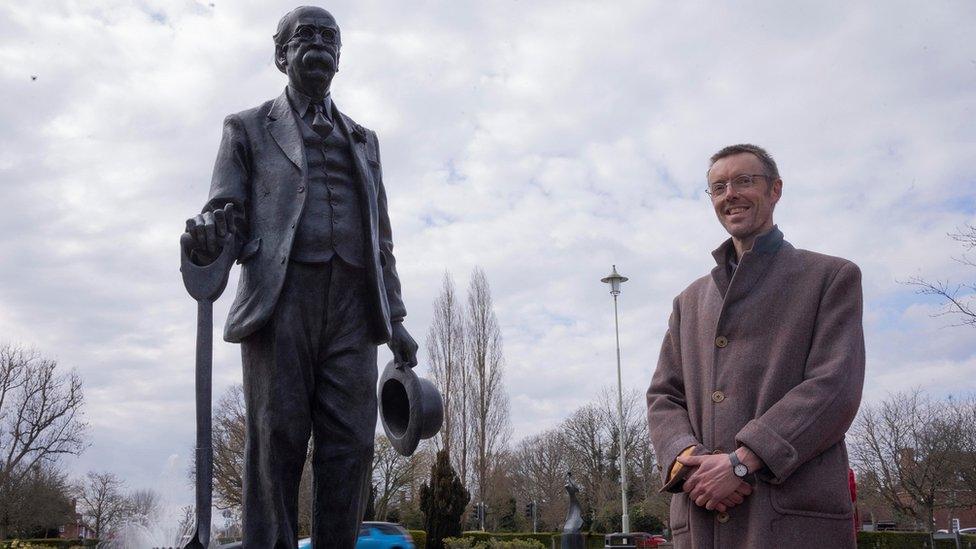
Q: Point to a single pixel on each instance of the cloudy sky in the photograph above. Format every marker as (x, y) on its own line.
(543, 141)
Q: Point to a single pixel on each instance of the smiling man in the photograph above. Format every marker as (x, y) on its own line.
(300, 184)
(758, 380)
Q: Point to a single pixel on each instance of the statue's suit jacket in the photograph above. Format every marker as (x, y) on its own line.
(261, 168)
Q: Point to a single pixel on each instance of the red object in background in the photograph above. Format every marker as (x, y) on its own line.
(852, 482)
(649, 540)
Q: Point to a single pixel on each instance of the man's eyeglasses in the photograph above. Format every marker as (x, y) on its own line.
(307, 33)
(740, 182)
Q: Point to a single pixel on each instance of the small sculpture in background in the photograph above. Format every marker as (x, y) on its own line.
(571, 537)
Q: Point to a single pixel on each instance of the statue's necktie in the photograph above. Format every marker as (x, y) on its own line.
(322, 125)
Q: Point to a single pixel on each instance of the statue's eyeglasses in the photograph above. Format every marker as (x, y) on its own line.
(307, 33)
(740, 182)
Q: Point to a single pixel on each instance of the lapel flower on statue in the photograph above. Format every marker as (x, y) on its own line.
(359, 133)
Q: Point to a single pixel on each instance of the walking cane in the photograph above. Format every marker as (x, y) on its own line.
(205, 284)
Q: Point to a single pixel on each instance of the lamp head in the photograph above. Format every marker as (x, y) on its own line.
(614, 279)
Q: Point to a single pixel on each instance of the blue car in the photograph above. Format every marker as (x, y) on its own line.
(376, 535)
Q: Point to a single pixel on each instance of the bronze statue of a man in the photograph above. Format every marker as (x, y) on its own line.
(301, 186)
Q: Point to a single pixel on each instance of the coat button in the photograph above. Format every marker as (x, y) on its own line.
(718, 396)
(717, 452)
(301, 188)
(723, 517)
(721, 342)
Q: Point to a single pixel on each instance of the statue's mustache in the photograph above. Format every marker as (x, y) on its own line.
(318, 56)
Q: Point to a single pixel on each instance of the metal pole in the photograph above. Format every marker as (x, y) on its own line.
(625, 516)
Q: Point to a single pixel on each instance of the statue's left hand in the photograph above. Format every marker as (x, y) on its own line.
(403, 346)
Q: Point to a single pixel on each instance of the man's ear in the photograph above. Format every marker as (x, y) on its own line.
(281, 57)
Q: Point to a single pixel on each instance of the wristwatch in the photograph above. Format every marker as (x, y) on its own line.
(739, 469)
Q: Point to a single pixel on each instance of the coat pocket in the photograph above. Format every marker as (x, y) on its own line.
(678, 518)
(818, 488)
(249, 250)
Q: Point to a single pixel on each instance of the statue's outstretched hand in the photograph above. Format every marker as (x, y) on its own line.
(205, 233)
(403, 346)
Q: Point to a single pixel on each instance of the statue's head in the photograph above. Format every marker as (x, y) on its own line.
(307, 46)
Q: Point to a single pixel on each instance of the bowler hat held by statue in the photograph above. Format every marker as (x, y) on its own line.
(410, 407)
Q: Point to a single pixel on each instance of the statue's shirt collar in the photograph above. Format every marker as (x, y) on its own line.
(300, 102)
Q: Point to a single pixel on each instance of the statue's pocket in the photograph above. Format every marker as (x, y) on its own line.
(249, 250)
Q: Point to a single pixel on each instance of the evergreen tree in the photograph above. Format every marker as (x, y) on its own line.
(370, 512)
(507, 521)
(442, 502)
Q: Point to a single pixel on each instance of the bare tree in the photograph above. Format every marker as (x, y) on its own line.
(41, 500)
(229, 433)
(540, 466)
(965, 410)
(188, 520)
(447, 352)
(228, 445)
(395, 474)
(40, 417)
(102, 503)
(909, 447)
(144, 506)
(489, 401)
(593, 453)
(959, 300)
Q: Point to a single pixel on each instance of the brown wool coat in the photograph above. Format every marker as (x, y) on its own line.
(772, 359)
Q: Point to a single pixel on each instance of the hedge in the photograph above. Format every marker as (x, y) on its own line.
(544, 538)
(549, 539)
(908, 540)
(419, 538)
(492, 543)
(865, 540)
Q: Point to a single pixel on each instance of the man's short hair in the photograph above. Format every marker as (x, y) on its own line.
(280, 35)
(769, 165)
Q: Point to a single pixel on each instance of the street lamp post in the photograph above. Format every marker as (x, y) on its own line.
(614, 279)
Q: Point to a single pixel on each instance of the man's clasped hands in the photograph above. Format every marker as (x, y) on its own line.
(710, 482)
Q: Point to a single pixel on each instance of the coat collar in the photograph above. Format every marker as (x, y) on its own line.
(283, 127)
(300, 102)
(752, 264)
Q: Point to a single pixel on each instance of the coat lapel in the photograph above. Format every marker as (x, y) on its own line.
(284, 129)
(753, 265)
(357, 144)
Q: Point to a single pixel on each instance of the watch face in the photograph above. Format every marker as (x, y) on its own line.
(741, 470)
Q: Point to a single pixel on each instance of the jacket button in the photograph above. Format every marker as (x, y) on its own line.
(718, 396)
(717, 452)
(723, 517)
(301, 188)
(721, 342)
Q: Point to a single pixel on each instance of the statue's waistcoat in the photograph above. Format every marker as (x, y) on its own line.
(332, 221)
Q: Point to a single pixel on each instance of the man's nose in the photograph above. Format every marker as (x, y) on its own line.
(730, 191)
(319, 40)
